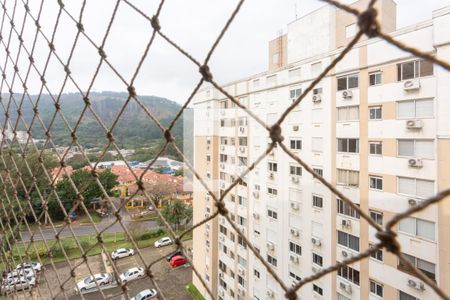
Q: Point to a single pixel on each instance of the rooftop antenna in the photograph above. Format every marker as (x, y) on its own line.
(295, 10)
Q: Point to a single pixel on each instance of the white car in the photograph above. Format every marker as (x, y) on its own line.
(16, 275)
(122, 252)
(145, 295)
(37, 267)
(163, 242)
(89, 282)
(131, 274)
(18, 284)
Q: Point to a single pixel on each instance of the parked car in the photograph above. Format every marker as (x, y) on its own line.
(122, 252)
(37, 267)
(89, 282)
(178, 261)
(131, 274)
(176, 253)
(145, 295)
(163, 242)
(18, 284)
(15, 275)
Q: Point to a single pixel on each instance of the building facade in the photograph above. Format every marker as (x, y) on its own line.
(377, 127)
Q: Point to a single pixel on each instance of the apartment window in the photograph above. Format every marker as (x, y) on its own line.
(295, 170)
(376, 183)
(223, 141)
(242, 201)
(242, 161)
(317, 144)
(296, 144)
(208, 158)
(318, 171)
(295, 248)
(377, 217)
(294, 276)
(405, 296)
(256, 273)
(272, 260)
(317, 201)
(375, 148)
(223, 229)
(241, 281)
(426, 267)
(348, 177)
(272, 167)
(242, 141)
(294, 73)
(242, 221)
(272, 191)
(242, 261)
(414, 69)
(415, 187)
(223, 158)
(272, 214)
(349, 273)
(317, 91)
(222, 283)
(317, 289)
(348, 113)
(233, 141)
(345, 209)
(316, 69)
(231, 293)
(411, 109)
(375, 113)
(375, 78)
(416, 148)
(342, 297)
(223, 104)
(222, 266)
(242, 121)
(348, 145)
(295, 93)
(376, 288)
(347, 82)
(271, 80)
(347, 240)
(378, 255)
(417, 227)
(350, 30)
(317, 259)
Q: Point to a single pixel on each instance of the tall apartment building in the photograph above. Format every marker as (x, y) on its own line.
(377, 127)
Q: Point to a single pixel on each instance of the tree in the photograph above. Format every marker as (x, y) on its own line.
(177, 213)
(179, 172)
(86, 185)
(160, 190)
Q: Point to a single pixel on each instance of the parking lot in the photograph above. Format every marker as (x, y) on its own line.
(171, 281)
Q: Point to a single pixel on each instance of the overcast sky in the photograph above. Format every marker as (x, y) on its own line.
(194, 24)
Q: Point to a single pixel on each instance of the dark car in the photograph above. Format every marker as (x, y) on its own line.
(176, 253)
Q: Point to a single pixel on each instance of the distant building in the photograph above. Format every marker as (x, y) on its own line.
(167, 165)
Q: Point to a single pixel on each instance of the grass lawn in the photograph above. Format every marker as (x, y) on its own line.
(111, 242)
(149, 217)
(85, 219)
(194, 292)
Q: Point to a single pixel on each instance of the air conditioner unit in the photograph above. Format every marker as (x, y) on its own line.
(241, 272)
(316, 98)
(241, 129)
(347, 94)
(222, 185)
(346, 287)
(222, 166)
(221, 293)
(294, 283)
(415, 284)
(256, 194)
(271, 175)
(222, 148)
(344, 253)
(294, 205)
(414, 124)
(242, 229)
(410, 85)
(295, 128)
(346, 223)
(222, 221)
(242, 149)
(220, 275)
(207, 233)
(241, 292)
(315, 269)
(316, 241)
(222, 238)
(412, 202)
(295, 179)
(295, 232)
(256, 216)
(294, 258)
(270, 246)
(270, 293)
(415, 162)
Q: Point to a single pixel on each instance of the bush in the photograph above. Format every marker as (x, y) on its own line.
(85, 244)
(152, 234)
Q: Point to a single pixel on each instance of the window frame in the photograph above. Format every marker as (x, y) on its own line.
(416, 234)
(417, 66)
(347, 145)
(295, 248)
(348, 244)
(343, 209)
(376, 216)
(432, 100)
(377, 180)
(297, 143)
(376, 284)
(415, 195)
(414, 148)
(374, 74)
(347, 81)
(296, 169)
(272, 260)
(315, 201)
(347, 113)
(347, 175)
(315, 259)
(376, 143)
(376, 108)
